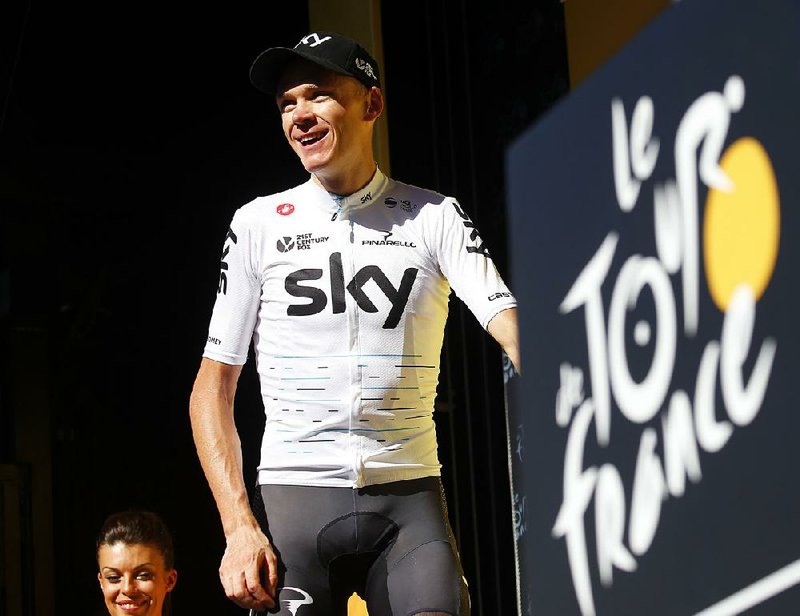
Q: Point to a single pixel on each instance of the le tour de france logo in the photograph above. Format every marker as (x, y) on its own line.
(733, 235)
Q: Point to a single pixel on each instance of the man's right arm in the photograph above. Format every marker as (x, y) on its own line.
(248, 552)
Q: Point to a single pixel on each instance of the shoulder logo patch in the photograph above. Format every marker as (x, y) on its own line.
(408, 206)
(285, 209)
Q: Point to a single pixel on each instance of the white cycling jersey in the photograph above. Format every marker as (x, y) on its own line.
(345, 300)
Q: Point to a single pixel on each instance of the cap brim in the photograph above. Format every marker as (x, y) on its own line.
(267, 67)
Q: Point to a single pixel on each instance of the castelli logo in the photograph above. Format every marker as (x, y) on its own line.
(284, 209)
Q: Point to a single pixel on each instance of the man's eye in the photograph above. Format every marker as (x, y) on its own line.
(145, 576)
(113, 578)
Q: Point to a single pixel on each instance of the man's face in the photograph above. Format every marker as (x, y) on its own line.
(325, 118)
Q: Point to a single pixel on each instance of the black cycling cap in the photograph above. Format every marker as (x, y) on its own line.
(330, 50)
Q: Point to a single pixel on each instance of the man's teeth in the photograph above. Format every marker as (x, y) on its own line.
(307, 140)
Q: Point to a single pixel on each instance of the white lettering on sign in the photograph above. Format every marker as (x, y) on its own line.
(677, 425)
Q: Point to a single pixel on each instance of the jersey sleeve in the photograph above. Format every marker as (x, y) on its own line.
(238, 296)
(467, 265)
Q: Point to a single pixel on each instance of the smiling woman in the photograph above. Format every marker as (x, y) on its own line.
(135, 560)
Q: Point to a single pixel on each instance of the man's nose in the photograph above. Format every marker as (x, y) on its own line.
(302, 112)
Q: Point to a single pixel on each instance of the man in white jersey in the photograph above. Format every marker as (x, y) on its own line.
(342, 285)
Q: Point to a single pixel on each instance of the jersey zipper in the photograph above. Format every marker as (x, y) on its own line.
(338, 200)
(351, 312)
(355, 363)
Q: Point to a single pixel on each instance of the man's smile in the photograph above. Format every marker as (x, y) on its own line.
(311, 139)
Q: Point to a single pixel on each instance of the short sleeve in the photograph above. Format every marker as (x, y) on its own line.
(238, 295)
(465, 261)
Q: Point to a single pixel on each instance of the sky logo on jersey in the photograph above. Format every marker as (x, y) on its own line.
(473, 236)
(223, 266)
(397, 296)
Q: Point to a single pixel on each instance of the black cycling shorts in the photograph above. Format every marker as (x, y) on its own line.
(390, 542)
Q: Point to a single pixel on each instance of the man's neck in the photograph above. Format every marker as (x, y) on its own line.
(348, 183)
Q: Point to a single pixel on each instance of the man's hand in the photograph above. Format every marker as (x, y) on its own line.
(249, 569)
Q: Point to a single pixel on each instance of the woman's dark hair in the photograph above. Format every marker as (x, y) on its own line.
(143, 527)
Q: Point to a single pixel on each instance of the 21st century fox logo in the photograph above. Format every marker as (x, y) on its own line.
(285, 244)
(302, 241)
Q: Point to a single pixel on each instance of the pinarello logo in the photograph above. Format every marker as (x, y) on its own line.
(284, 209)
(293, 604)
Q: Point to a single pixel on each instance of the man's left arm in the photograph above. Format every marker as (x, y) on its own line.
(503, 328)
(467, 265)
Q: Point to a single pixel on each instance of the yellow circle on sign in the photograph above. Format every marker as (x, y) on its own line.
(741, 229)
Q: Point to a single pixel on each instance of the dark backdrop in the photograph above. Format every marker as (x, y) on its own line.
(129, 134)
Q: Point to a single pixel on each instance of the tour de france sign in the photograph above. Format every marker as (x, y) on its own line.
(655, 222)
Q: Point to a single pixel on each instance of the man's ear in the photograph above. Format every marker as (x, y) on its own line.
(374, 103)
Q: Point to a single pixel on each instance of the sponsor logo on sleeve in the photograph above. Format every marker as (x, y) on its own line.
(223, 265)
(473, 236)
(498, 295)
(405, 204)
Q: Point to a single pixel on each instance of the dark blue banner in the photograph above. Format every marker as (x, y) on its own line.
(655, 217)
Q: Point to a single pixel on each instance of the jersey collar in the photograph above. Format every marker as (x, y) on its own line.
(342, 204)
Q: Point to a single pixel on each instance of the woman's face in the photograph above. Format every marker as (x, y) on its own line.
(133, 578)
